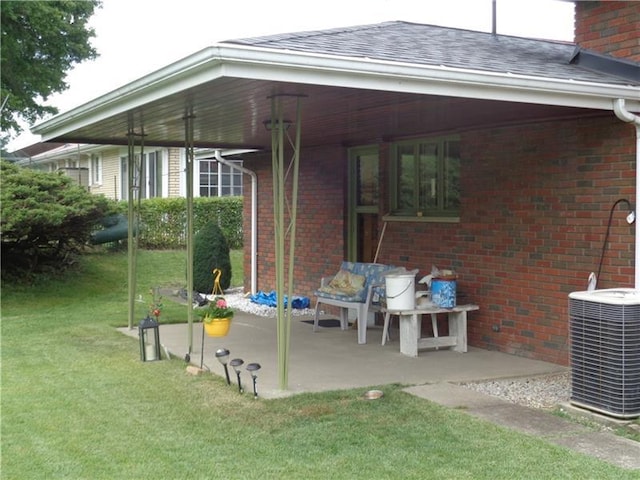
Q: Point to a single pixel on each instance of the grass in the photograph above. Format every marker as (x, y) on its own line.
(77, 403)
(630, 430)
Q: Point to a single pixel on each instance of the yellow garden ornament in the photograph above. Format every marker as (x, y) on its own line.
(217, 289)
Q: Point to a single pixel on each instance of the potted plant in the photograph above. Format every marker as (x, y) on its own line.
(216, 317)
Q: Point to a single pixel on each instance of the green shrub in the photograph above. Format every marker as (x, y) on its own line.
(210, 251)
(163, 220)
(46, 220)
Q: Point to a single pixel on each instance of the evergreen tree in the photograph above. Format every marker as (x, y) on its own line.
(210, 251)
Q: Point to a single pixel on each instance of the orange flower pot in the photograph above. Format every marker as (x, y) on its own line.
(217, 327)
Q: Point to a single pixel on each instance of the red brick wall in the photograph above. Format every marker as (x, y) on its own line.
(536, 201)
(609, 27)
(535, 207)
(320, 228)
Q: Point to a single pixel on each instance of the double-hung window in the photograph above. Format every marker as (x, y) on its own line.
(425, 178)
(219, 180)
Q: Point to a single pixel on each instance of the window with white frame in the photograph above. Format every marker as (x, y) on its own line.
(425, 178)
(148, 176)
(219, 180)
(96, 169)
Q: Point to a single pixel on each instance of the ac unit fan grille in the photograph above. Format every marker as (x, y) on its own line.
(605, 357)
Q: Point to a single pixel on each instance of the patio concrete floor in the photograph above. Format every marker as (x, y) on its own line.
(331, 358)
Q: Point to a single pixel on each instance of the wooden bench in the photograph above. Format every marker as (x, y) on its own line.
(411, 340)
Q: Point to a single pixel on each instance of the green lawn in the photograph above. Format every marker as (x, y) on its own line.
(77, 403)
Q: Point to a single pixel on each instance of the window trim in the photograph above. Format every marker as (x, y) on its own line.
(96, 167)
(442, 216)
(161, 157)
(422, 219)
(220, 173)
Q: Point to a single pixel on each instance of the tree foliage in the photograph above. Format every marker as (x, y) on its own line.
(45, 219)
(40, 42)
(210, 250)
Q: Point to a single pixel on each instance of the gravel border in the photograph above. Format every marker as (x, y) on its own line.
(242, 302)
(543, 391)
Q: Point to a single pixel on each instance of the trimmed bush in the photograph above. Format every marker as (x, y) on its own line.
(210, 250)
(46, 220)
(163, 220)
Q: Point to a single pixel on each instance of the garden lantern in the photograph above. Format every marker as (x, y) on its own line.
(222, 354)
(253, 368)
(149, 334)
(236, 363)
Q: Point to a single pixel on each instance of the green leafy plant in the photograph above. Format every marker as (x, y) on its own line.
(46, 220)
(162, 220)
(217, 308)
(58, 34)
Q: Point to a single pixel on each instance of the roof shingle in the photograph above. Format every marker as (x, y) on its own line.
(420, 44)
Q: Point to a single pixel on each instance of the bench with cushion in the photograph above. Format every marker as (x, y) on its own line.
(357, 286)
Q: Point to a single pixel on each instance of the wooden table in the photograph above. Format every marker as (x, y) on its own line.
(411, 339)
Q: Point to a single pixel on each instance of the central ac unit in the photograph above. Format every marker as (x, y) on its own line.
(605, 351)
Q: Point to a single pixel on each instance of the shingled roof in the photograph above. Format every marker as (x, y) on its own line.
(432, 45)
(228, 85)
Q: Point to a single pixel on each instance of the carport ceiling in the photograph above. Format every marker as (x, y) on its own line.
(230, 113)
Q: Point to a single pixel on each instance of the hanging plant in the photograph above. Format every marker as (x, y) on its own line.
(216, 309)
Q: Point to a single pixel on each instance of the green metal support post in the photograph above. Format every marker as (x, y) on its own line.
(281, 210)
(188, 123)
(133, 218)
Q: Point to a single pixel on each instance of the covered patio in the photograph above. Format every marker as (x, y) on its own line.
(331, 358)
(535, 128)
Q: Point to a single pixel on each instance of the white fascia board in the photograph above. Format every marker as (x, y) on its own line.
(194, 70)
(225, 60)
(425, 79)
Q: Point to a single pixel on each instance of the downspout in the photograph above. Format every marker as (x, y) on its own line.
(626, 116)
(254, 216)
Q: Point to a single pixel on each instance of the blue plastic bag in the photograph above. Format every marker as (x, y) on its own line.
(270, 300)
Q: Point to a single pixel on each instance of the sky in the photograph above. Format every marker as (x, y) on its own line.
(136, 37)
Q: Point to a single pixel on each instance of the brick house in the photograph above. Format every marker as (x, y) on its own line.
(496, 156)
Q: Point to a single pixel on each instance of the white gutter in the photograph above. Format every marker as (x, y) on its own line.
(254, 217)
(233, 61)
(59, 153)
(359, 72)
(626, 116)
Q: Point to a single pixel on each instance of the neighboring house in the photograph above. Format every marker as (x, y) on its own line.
(499, 157)
(102, 169)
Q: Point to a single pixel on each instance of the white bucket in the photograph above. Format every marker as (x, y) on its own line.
(401, 291)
